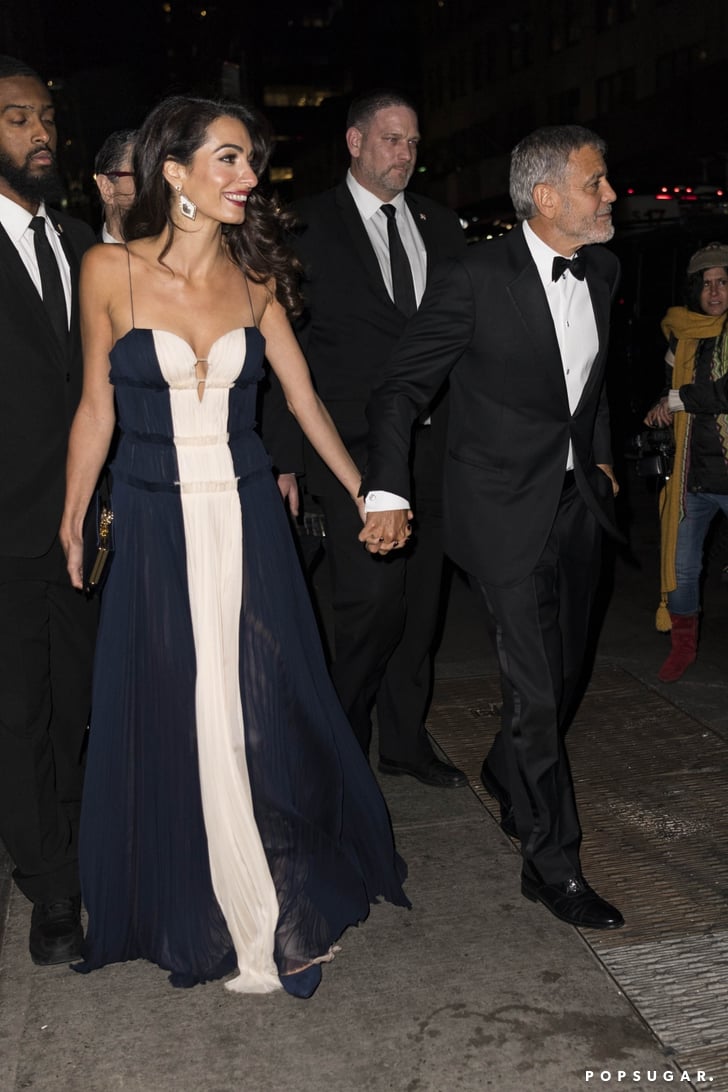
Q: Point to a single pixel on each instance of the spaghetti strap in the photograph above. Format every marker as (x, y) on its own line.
(131, 294)
(250, 301)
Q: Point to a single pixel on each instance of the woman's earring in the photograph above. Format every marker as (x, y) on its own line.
(186, 207)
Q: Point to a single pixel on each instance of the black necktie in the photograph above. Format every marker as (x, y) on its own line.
(54, 297)
(402, 284)
(576, 266)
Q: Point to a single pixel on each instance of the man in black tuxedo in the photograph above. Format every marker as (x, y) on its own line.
(364, 276)
(520, 327)
(46, 628)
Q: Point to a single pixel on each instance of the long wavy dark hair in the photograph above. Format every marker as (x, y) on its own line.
(176, 129)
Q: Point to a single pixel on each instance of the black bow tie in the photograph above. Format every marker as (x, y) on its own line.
(575, 265)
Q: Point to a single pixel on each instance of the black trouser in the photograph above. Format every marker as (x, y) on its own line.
(541, 637)
(47, 633)
(385, 617)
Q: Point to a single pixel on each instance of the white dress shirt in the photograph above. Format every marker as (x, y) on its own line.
(571, 309)
(16, 222)
(369, 207)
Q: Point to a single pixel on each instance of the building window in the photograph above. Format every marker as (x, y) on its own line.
(435, 86)
(611, 12)
(564, 106)
(295, 95)
(453, 81)
(481, 64)
(572, 21)
(615, 91)
(520, 46)
(564, 25)
(677, 65)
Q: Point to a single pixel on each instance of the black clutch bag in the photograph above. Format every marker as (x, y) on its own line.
(98, 538)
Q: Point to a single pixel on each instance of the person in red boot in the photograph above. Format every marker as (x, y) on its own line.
(696, 406)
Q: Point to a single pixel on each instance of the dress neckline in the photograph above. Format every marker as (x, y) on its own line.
(159, 330)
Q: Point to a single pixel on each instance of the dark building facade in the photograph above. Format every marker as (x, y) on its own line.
(642, 73)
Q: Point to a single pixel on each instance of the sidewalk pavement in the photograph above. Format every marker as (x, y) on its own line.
(473, 989)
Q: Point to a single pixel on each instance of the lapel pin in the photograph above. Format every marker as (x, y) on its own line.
(422, 216)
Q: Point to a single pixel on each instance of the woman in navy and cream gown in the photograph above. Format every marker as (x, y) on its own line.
(230, 821)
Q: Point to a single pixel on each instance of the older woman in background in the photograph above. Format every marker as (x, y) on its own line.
(114, 177)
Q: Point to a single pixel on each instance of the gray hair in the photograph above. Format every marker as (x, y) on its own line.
(114, 151)
(543, 156)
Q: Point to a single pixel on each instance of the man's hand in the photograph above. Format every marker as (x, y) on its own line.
(659, 416)
(385, 531)
(288, 486)
(608, 470)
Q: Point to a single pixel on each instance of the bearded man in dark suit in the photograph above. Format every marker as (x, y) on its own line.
(520, 328)
(358, 297)
(46, 628)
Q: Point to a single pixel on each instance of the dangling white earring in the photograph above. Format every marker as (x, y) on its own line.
(186, 207)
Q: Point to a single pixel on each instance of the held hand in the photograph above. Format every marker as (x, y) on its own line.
(608, 470)
(659, 416)
(385, 531)
(288, 486)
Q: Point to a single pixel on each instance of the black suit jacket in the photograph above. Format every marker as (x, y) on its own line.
(485, 321)
(350, 325)
(41, 386)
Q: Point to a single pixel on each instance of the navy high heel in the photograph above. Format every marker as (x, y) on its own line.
(302, 983)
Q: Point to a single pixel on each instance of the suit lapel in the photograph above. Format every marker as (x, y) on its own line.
(600, 297)
(74, 267)
(360, 239)
(421, 222)
(526, 291)
(20, 282)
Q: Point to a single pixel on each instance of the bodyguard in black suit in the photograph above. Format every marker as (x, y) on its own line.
(358, 296)
(46, 629)
(520, 326)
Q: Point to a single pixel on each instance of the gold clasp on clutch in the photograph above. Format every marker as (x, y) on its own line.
(106, 517)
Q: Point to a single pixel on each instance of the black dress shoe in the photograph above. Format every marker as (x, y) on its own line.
(572, 901)
(496, 790)
(55, 931)
(433, 772)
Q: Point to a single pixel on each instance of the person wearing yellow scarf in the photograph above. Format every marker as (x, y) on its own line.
(700, 353)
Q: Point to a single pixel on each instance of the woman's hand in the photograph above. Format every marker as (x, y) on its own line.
(607, 469)
(288, 488)
(385, 531)
(73, 549)
(659, 416)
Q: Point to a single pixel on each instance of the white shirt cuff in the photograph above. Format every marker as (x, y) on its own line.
(675, 402)
(384, 502)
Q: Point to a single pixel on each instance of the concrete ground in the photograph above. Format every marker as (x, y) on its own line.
(473, 989)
